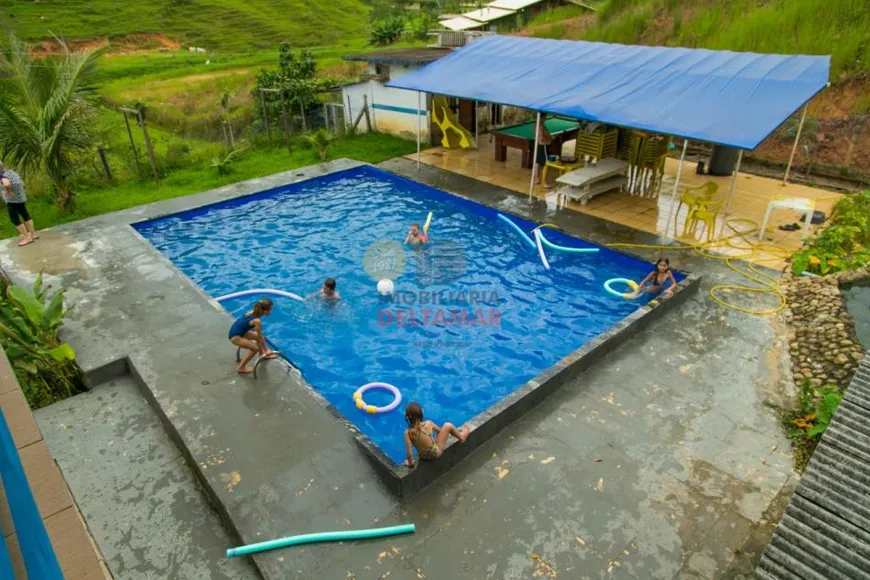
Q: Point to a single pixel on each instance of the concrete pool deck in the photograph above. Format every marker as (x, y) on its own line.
(660, 461)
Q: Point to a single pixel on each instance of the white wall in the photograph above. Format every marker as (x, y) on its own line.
(391, 110)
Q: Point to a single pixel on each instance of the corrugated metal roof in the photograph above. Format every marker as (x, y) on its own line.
(487, 14)
(401, 56)
(825, 531)
(513, 4)
(460, 23)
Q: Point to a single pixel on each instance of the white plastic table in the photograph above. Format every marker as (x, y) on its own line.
(585, 183)
(800, 204)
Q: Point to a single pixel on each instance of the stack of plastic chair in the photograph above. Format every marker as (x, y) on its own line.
(695, 199)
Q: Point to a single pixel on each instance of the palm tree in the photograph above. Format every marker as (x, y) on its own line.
(45, 115)
(320, 140)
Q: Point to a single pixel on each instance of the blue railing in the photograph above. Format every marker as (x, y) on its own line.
(36, 550)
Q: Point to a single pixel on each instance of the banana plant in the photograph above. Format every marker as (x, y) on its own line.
(29, 325)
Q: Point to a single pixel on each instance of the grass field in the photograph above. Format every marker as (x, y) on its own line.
(837, 27)
(228, 25)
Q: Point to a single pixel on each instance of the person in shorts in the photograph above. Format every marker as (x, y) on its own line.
(12, 189)
(542, 155)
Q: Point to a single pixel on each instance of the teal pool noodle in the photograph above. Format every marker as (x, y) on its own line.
(523, 235)
(321, 537)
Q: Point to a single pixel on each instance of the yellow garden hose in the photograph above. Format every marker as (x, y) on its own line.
(766, 283)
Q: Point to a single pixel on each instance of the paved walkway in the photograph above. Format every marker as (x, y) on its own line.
(662, 461)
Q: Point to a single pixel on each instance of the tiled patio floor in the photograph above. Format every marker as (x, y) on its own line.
(751, 195)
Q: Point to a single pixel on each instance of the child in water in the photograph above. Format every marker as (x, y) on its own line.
(247, 332)
(415, 237)
(328, 291)
(418, 435)
(655, 281)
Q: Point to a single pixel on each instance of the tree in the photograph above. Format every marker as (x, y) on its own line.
(45, 112)
(320, 140)
(296, 80)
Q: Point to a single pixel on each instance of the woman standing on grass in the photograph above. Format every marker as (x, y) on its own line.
(12, 188)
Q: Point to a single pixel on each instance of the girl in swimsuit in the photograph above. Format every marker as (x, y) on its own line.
(247, 332)
(419, 435)
(655, 281)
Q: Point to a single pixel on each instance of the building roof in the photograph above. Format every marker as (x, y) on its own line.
(487, 14)
(460, 23)
(729, 98)
(513, 4)
(404, 56)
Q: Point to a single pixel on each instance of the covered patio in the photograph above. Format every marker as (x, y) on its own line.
(749, 202)
(649, 96)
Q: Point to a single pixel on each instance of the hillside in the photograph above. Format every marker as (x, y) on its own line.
(226, 25)
(835, 141)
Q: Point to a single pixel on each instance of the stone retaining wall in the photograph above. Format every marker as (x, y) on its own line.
(824, 347)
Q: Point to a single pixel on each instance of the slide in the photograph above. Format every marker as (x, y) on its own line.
(453, 134)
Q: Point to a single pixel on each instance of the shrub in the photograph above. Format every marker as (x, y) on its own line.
(177, 155)
(387, 31)
(29, 325)
(844, 244)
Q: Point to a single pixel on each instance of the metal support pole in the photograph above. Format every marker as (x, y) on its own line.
(734, 180)
(676, 186)
(419, 121)
(132, 143)
(476, 123)
(265, 116)
(794, 147)
(535, 156)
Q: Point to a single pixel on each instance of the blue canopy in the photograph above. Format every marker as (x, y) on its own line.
(730, 98)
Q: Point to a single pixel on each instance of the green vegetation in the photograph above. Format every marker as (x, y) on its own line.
(844, 244)
(29, 325)
(45, 118)
(557, 14)
(227, 25)
(837, 27)
(805, 424)
(188, 172)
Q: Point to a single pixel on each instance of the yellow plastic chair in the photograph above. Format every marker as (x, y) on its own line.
(562, 164)
(692, 197)
(706, 212)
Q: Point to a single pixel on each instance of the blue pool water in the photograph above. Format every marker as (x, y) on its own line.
(501, 317)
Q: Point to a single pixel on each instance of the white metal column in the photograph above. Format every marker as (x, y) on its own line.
(676, 185)
(734, 180)
(794, 147)
(419, 121)
(535, 156)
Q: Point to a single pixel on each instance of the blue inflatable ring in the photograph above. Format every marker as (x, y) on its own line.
(627, 295)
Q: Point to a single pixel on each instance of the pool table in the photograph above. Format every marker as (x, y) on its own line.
(522, 137)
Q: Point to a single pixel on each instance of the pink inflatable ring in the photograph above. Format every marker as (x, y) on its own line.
(371, 409)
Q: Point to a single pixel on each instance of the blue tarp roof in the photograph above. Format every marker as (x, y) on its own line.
(729, 98)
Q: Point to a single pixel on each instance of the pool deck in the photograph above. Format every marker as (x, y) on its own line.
(660, 461)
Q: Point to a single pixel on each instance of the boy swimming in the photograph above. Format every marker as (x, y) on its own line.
(415, 237)
(328, 291)
(655, 281)
(418, 435)
(247, 332)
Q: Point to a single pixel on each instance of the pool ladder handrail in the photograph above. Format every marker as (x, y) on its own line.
(278, 355)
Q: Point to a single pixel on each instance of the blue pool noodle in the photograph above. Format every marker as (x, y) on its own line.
(321, 537)
(516, 228)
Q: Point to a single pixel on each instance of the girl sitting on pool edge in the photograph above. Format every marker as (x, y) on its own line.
(418, 435)
(247, 332)
(655, 281)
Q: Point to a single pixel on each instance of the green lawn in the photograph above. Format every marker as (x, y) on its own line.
(371, 148)
(229, 25)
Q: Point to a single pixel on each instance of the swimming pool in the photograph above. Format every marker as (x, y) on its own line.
(475, 314)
